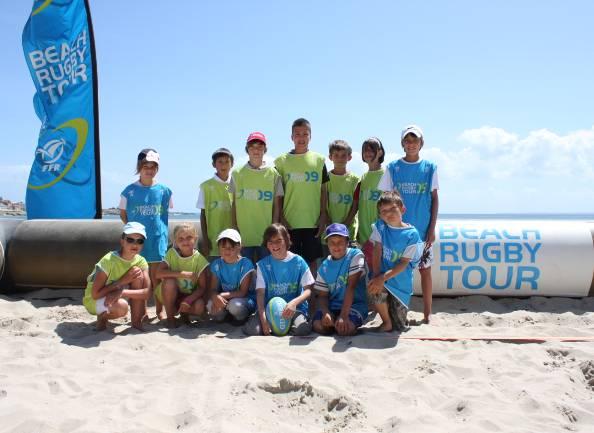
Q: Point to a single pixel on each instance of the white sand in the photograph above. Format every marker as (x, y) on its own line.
(57, 374)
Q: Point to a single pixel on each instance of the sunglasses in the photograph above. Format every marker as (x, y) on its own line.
(138, 241)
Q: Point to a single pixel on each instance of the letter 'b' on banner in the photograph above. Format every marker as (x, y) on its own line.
(59, 49)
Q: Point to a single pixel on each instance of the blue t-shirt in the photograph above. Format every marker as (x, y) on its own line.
(398, 242)
(231, 275)
(149, 205)
(333, 277)
(284, 278)
(413, 181)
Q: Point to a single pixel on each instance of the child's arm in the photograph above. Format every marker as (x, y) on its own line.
(163, 272)
(322, 301)
(206, 245)
(234, 213)
(262, 311)
(200, 290)
(242, 292)
(430, 237)
(143, 293)
(124, 216)
(100, 289)
(218, 301)
(377, 262)
(377, 283)
(349, 295)
(293, 303)
(277, 206)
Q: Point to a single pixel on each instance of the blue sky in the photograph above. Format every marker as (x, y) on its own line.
(503, 91)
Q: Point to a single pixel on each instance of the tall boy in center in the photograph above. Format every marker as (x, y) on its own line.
(304, 177)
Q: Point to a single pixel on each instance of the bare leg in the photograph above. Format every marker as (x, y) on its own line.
(117, 310)
(137, 306)
(169, 292)
(427, 288)
(154, 282)
(382, 310)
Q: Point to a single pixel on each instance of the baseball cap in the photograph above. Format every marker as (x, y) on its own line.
(230, 234)
(149, 155)
(336, 229)
(411, 129)
(256, 136)
(134, 227)
(222, 151)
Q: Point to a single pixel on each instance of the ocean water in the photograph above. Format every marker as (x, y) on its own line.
(445, 216)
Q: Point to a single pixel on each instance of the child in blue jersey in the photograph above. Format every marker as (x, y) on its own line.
(118, 278)
(148, 203)
(183, 274)
(341, 286)
(230, 280)
(415, 179)
(282, 274)
(396, 251)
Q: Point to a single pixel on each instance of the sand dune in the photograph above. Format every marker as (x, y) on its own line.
(57, 374)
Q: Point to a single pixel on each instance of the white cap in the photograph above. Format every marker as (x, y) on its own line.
(134, 227)
(149, 155)
(230, 234)
(411, 129)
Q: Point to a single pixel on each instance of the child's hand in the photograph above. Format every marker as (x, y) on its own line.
(290, 309)
(430, 238)
(112, 297)
(375, 285)
(186, 304)
(187, 275)
(341, 325)
(327, 320)
(133, 274)
(218, 303)
(265, 326)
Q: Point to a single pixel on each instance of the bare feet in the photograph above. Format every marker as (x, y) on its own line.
(426, 320)
(102, 322)
(138, 325)
(161, 315)
(386, 327)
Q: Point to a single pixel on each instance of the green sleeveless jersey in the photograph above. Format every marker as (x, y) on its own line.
(195, 263)
(254, 199)
(369, 194)
(217, 206)
(115, 267)
(302, 180)
(341, 189)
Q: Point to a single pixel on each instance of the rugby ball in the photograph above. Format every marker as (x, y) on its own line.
(274, 314)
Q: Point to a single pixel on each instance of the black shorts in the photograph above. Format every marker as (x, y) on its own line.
(305, 243)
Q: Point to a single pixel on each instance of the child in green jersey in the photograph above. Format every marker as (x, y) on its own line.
(120, 276)
(183, 276)
(304, 177)
(342, 203)
(368, 194)
(214, 202)
(257, 197)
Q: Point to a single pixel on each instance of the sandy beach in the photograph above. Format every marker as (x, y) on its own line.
(58, 374)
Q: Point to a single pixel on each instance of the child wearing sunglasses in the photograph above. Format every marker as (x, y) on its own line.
(120, 281)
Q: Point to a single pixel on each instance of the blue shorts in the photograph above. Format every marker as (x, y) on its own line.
(354, 316)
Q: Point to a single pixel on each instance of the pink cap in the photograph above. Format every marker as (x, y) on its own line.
(256, 136)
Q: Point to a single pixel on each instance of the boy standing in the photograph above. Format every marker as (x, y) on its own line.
(304, 177)
(342, 203)
(415, 179)
(214, 202)
(257, 197)
(396, 250)
(342, 297)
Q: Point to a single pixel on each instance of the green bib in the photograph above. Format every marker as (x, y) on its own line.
(254, 198)
(115, 267)
(195, 263)
(217, 205)
(368, 197)
(302, 179)
(341, 189)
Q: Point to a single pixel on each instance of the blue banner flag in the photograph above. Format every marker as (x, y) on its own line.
(59, 50)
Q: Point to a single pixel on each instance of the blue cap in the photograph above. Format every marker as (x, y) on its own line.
(134, 227)
(336, 229)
